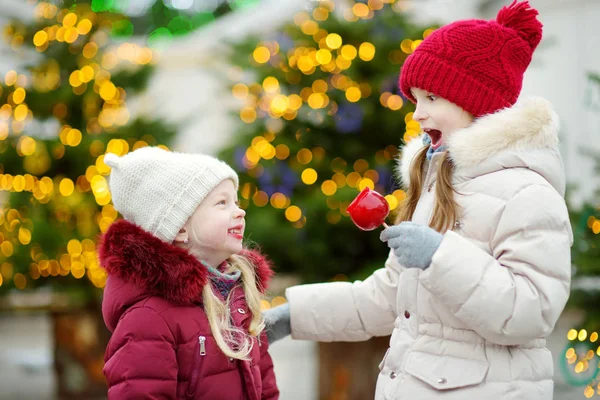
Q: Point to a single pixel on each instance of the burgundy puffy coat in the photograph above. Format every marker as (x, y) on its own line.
(161, 345)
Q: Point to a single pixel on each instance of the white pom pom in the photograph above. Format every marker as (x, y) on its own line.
(111, 159)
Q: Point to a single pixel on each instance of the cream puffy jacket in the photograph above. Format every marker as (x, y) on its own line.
(473, 325)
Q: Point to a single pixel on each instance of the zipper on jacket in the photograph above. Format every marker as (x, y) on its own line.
(202, 340)
(191, 393)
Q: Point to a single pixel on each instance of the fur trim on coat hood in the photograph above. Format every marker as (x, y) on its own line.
(157, 268)
(522, 136)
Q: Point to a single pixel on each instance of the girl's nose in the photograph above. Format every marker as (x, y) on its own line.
(419, 115)
(241, 213)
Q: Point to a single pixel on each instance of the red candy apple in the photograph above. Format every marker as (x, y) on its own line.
(368, 210)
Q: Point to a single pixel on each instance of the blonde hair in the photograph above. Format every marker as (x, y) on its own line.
(445, 210)
(234, 342)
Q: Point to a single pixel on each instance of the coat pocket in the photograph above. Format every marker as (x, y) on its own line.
(446, 372)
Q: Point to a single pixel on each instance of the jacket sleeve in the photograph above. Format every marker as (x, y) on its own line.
(344, 311)
(140, 358)
(269, 383)
(516, 293)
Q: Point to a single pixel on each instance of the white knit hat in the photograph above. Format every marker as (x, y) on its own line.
(159, 190)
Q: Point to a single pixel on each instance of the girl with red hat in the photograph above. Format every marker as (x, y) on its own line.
(479, 266)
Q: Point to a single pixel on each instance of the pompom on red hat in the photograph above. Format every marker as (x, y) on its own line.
(476, 64)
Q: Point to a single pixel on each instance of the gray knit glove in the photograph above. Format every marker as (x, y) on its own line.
(277, 322)
(412, 243)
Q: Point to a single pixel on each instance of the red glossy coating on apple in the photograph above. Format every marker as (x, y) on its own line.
(368, 210)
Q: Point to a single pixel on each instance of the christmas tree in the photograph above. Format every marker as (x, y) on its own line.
(60, 114)
(323, 119)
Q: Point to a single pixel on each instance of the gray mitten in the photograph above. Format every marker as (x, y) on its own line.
(412, 243)
(277, 322)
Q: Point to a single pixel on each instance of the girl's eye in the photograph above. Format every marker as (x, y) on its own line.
(221, 202)
(431, 97)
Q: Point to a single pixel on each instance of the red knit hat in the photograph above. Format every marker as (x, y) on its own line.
(476, 64)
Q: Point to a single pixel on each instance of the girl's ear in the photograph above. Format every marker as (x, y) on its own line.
(182, 237)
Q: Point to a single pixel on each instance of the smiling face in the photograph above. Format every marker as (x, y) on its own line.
(439, 118)
(216, 228)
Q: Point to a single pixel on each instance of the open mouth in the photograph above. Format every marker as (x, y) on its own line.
(237, 232)
(435, 136)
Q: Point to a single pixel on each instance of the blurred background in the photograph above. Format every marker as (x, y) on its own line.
(301, 97)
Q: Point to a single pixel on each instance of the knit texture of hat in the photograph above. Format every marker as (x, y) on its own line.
(159, 190)
(476, 64)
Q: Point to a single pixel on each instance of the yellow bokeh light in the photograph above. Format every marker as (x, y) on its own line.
(366, 51)
(18, 95)
(119, 147)
(20, 281)
(90, 50)
(353, 94)
(20, 112)
(366, 182)
(416, 44)
(333, 41)
(40, 38)
(319, 86)
(270, 84)
(24, 235)
(18, 183)
(428, 32)
(84, 26)
(320, 14)
(74, 247)
(6, 248)
(316, 100)
(261, 54)
(248, 114)
(108, 90)
(293, 213)
(309, 176)
(87, 73)
(10, 78)
(27, 145)
(69, 20)
(304, 156)
(309, 27)
(572, 334)
(395, 102)
(260, 198)
(349, 52)
(66, 187)
(282, 151)
(588, 392)
(279, 104)
(71, 35)
(278, 200)
(406, 46)
(75, 79)
(73, 137)
(323, 56)
(361, 10)
(239, 91)
(392, 201)
(582, 335)
(329, 188)
(594, 337)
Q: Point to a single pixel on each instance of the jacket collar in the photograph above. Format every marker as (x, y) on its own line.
(525, 135)
(158, 268)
